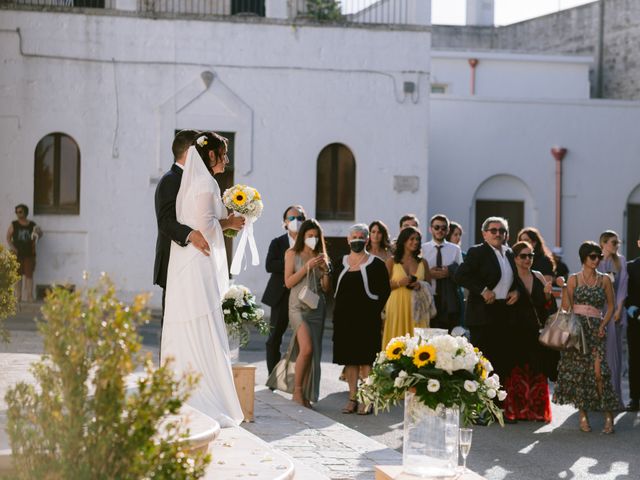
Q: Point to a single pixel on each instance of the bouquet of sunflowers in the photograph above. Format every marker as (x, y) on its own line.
(244, 200)
(247, 202)
(442, 370)
(240, 310)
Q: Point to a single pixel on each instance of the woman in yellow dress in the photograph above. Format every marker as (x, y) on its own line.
(406, 268)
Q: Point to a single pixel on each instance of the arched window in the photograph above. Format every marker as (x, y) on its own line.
(336, 183)
(56, 175)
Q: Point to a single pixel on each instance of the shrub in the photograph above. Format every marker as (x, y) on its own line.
(324, 10)
(79, 421)
(9, 276)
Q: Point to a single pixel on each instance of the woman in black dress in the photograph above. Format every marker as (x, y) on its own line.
(362, 289)
(543, 261)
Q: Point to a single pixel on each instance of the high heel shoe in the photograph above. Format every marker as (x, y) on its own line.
(298, 396)
(608, 425)
(584, 423)
(351, 406)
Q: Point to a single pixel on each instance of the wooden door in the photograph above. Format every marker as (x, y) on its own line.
(633, 230)
(512, 210)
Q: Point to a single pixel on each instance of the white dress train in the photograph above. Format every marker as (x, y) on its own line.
(194, 332)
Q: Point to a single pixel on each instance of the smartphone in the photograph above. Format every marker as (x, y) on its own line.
(413, 278)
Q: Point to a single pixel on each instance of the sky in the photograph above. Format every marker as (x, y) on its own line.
(452, 12)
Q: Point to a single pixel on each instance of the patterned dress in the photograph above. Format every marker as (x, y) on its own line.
(576, 383)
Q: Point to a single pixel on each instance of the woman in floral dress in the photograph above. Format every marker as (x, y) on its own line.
(584, 380)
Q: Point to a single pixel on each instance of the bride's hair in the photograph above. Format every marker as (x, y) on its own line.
(208, 141)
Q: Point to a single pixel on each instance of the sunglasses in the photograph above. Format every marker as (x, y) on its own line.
(291, 218)
(525, 256)
(496, 231)
(437, 228)
(595, 256)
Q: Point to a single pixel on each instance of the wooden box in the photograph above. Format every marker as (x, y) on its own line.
(244, 377)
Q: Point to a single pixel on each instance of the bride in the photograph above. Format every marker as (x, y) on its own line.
(194, 332)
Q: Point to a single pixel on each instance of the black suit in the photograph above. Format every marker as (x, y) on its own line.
(633, 329)
(168, 227)
(276, 295)
(489, 323)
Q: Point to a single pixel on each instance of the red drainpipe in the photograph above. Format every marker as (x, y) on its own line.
(473, 62)
(558, 153)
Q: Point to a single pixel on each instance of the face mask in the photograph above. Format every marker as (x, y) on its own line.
(357, 245)
(293, 225)
(311, 242)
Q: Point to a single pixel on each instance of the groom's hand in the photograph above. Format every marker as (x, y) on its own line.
(198, 241)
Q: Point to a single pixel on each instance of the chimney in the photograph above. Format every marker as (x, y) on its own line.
(480, 13)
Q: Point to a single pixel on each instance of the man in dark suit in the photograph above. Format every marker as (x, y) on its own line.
(165, 203)
(490, 275)
(632, 303)
(276, 295)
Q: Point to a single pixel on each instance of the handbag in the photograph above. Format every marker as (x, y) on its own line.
(306, 294)
(563, 331)
(282, 377)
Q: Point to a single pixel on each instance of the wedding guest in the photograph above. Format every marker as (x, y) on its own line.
(362, 289)
(454, 234)
(406, 270)
(615, 266)
(22, 237)
(584, 380)
(305, 265)
(561, 270)
(526, 385)
(276, 294)
(489, 273)
(409, 220)
(633, 332)
(444, 259)
(379, 243)
(543, 260)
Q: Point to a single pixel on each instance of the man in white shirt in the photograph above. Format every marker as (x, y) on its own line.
(489, 273)
(443, 258)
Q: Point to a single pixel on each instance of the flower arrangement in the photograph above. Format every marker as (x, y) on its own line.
(241, 310)
(244, 200)
(442, 370)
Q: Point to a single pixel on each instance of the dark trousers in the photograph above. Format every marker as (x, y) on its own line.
(633, 342)
(443, 318)
(279, 321)
(493, 337)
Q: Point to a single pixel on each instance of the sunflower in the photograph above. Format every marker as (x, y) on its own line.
(395, 349)
(256, 194)
(424, 355)
(239, 198)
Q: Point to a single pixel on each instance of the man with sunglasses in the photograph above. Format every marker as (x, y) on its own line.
(489, 273)
(276, 295)
(444, 258)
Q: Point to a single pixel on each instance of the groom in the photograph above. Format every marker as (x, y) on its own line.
(168, 227)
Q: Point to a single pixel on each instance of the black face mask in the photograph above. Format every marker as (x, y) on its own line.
(357, 245)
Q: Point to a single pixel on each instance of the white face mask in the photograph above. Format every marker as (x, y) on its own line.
(293, 225)
(311, 242)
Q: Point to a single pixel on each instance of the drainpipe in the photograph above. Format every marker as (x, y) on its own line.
(558, 153)
(473, 63)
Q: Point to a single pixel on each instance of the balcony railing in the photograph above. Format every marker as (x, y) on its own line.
(398, 12)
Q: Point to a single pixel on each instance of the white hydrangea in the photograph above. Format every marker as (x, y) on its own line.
(470, 386)
(259, 313)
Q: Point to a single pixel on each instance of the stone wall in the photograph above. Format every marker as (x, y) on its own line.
(573, 31)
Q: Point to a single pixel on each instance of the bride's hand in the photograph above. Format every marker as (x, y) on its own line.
(233, 222)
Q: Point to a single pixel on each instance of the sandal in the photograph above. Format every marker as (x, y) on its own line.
(362, 410)
(351, 406)
(608, 425)
(584, 423)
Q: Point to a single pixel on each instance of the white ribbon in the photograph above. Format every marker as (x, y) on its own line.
(245, 237)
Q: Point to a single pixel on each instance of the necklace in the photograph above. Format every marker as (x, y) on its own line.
(359, 262)
(594, 281)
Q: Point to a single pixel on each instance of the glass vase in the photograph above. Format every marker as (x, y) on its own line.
(430, 441)
(234, 346)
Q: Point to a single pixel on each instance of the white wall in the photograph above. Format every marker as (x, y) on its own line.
(120, 85)
(512, 75)
(476, 139)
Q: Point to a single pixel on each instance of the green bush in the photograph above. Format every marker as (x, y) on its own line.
(9, 276)
(324, 10)
(79, 422)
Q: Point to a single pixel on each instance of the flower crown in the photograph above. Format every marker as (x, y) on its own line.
(202, 141)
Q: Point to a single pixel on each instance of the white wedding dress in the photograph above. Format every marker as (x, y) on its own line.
(194, 332)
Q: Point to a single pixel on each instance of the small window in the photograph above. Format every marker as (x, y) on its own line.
(438, 88)
(336, 183)
(57, 175)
